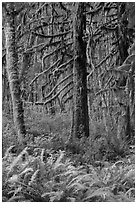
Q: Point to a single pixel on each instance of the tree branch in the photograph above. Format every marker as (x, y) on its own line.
(34, 47)
(57, 86)
(19, 10)
(94, 11)
(54, 43)
(109, 27)
(69, 98)
(51, 53)
(63, 7)
(66, 93)
(112, 53)
(65, 64)
(40, 8)
(100, 63)
(55, 96)
(104, 90)
(44, 45)
(44, 24)
(45, 71)
(51, 36)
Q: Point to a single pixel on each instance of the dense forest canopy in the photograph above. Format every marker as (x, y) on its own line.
(68, 87)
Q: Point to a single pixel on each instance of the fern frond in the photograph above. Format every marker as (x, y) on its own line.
(77, 186)
(122, 197)
(129, 176)
(117, 163)
(71, 199)
(60, 167)
(16, 199)
(101, 192)
(42, 155)
(96, 183)
(7, 153)
(56, 164)
(27, 177)
(14, 178)
(70, 172)
(26, 171)
(33, 178)
(129, 191)
(17, 160)
(55, 196)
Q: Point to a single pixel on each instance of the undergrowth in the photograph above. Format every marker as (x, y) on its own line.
(98, 169)
(51, 177)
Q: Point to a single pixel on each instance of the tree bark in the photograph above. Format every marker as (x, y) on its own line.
(13, 72)
(80, 121)
(123, 54)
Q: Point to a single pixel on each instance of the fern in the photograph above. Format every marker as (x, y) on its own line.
(57, 179)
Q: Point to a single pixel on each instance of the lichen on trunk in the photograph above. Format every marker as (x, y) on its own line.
(13, 72)
(80, 126)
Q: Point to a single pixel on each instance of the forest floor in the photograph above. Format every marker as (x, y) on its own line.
(46, 171)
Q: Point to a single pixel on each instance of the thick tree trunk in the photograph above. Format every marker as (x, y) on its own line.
(13, 73)
(80, 126)
(123, 54)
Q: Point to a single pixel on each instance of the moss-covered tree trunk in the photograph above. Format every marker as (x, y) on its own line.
(123, 47)
(13, 72)
(80, 126)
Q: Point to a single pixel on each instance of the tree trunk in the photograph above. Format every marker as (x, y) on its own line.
(13, 72)
(80, 126)
(123, 54)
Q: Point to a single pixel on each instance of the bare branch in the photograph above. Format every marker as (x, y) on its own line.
(112, 53)
(38, 10)
(34, 47)
(105, 90)
(45, 71)
(94, 11)
(109, 80)
(65, 64)
(44, 46)
(44, 24)
(109, 27)
(51, 53)
(55, 96)
(69, 98)
(67, 77)
(66, 93)
(51, 36)
(63, 7)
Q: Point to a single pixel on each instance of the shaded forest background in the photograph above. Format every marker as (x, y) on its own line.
(68, 91)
